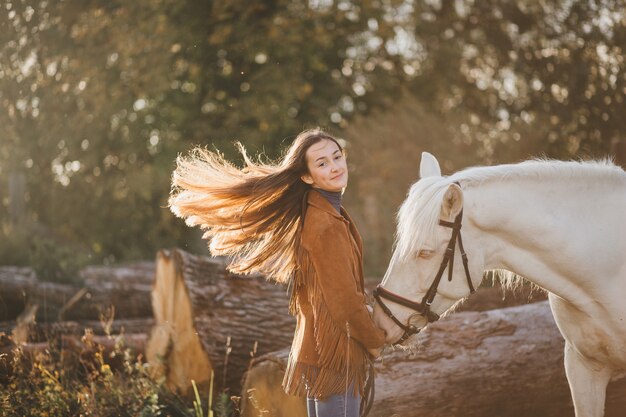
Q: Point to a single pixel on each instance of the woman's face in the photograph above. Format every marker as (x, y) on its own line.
(327, 166)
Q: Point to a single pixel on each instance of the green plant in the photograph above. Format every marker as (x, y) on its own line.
(223, 407)
(87, 380)
(197, 402)
(57, 382)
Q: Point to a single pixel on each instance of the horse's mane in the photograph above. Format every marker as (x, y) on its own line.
(540, 167)
(418, 216)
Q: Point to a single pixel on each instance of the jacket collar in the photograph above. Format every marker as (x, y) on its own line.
(318, 200)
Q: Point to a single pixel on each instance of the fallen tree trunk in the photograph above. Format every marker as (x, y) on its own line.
(42, 332)
(125, 288)
(506, 362)
(209, 319)
(14, 282)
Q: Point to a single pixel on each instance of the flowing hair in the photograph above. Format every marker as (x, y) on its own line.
(253, 215)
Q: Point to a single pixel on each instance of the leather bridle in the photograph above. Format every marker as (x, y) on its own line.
(423, 307)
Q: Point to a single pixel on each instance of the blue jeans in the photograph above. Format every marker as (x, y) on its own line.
(338, 405)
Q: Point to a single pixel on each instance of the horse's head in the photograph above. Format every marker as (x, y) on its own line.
(428, 272)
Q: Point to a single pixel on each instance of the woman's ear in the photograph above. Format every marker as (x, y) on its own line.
(307, 179)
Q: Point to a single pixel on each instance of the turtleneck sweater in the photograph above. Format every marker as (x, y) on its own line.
(333, 197)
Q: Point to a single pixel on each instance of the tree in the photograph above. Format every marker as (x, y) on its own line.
(529, 76)
(98, 97)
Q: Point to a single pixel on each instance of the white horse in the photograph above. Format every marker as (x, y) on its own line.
(558, 224)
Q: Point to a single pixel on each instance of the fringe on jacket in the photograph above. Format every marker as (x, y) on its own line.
(342, 360)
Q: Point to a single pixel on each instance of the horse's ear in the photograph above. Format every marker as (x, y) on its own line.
(429, 167)
(452, 202)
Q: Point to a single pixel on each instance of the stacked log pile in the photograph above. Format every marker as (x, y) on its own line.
(121, 291)
(111, 310)
(191, 317)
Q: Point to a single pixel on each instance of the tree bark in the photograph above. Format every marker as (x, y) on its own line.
(207, 318)
(505, 362)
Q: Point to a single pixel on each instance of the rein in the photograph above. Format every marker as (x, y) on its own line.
(423, 307)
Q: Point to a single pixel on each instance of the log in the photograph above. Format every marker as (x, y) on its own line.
(505, 362)
(14, 283)
(262, 393)
(208, 319)
(126, 288)
(42, 332)
(25, 322)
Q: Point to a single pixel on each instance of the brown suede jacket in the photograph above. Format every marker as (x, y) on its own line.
(334, 328)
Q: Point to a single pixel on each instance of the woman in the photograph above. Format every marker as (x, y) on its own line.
(286, 221)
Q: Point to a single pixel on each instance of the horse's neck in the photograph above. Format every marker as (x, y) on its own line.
(560, 236)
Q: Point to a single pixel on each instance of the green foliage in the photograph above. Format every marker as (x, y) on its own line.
(529, 77)
(52, 258)
(97, 98)
(49, 387)
(54, 261)
(224, 405)
(197, 402)
(15, 247)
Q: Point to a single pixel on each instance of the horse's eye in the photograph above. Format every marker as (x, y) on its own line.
(425, 253)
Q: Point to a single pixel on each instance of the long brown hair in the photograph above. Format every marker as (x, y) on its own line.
(253, 215)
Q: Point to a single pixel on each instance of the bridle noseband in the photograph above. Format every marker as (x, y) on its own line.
(423, 307)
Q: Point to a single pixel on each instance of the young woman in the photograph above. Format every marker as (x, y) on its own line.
(285, 220)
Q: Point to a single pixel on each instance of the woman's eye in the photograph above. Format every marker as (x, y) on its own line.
(337, 157)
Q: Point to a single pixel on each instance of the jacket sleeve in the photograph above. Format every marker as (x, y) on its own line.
(331, 257)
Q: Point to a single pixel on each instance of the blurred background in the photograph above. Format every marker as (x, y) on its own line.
(97, 98)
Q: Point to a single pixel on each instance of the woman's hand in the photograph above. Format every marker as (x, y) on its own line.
(374, 353)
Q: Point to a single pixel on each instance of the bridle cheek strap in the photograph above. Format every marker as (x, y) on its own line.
(466, 265)
(450, 250)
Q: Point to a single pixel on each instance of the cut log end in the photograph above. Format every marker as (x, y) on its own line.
(263, 395)
(208, 319)
(174, 350)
